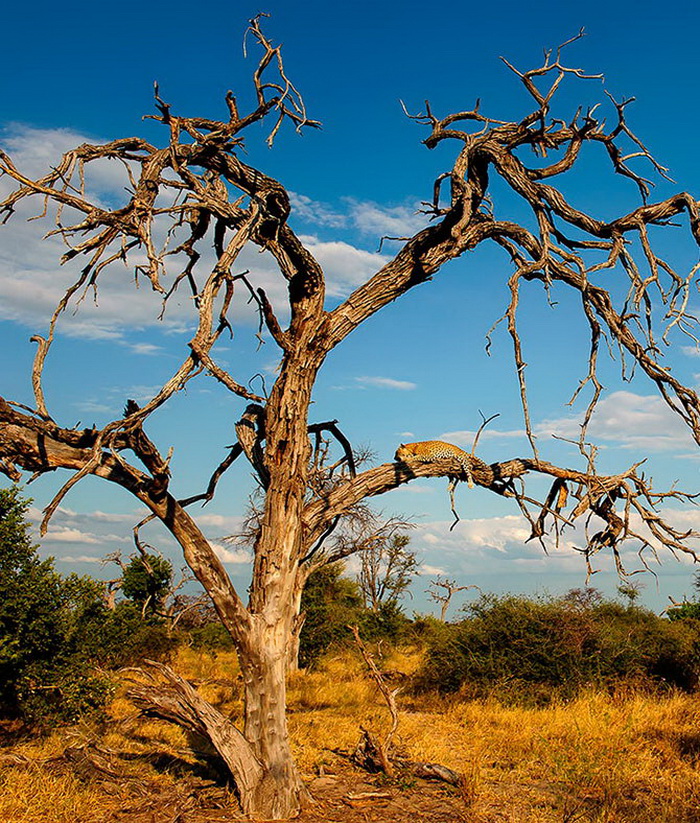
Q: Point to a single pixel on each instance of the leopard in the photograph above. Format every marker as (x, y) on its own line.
(428, 451)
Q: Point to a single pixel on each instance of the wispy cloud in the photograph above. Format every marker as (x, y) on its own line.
(367, 216)
(465, 437)
(315, 213)
(81, 558)
(145, 348)
(386, 383)
(345, 266)
(392, 221)
(236, 556)
(431, 571)
(64, 534)
(417, 488)
(111, 400)
(33, 283)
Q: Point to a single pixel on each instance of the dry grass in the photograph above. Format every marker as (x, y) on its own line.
(597, 759)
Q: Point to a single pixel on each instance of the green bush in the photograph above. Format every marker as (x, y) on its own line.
(147, 580)
(56, 635)
(330, 602)
(124, 637)
(212, 637)
(44, 619)
(689, 610)
(537, 650)
(388, 622)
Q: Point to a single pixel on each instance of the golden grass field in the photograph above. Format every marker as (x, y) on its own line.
(600, 758)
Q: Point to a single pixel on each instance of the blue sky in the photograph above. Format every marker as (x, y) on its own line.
(419, 370)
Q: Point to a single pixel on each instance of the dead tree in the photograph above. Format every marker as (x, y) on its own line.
(198, 191)
(387, 568)
(444, 597)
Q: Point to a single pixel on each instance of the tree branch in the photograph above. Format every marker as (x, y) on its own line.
(591, 493)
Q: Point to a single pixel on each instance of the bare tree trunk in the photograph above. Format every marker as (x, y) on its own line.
(280, 792)
(276, 586)
(294, 648)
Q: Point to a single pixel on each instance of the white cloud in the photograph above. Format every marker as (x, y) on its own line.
(493, 545)
(112, 517)
(111, 401)
(81, 558)
(33, 282)
(386, 221)
(226, 523)
(92, 406)
(34, 151)
(466, 437)
(386, 383)
(237, 556)
(64, 534)
(145, 348)
(433, 571)
(632, 421)
(369, 217)
(311, 211)
(417, 488)
(494, 532)
(345, 266)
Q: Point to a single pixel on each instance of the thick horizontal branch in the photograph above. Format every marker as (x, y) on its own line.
(590, 493)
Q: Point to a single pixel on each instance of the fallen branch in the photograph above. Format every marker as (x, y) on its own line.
(375, 755)
(179, 702)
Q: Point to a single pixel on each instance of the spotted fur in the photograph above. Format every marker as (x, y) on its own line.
(428, 451)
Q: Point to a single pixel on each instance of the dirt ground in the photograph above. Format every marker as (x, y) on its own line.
(339, 798)
(347, 795)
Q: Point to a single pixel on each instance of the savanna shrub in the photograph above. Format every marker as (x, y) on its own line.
(44, 619)
(56, 635)
(212, 637)
(537, 650)
(330, 602)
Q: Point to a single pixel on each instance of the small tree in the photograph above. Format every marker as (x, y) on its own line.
(387, 569)
(147, 580)
(46, 622)
(630, 591)
(330, 602)
(442, 592)
(199, 192)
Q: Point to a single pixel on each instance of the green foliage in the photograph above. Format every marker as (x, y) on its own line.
(330, 602)
(125, 638)
(56, 634)
(44, 620)
(211, 637)
(388, 622)
(688, 609)
(537, 650)
(147, 580)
